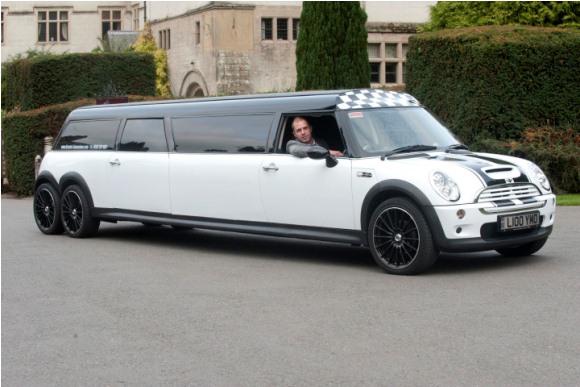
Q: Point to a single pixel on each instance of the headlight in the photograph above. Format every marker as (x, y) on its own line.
(538, 176)
(445, 186)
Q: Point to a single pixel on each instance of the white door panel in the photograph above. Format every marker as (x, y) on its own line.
(302, 191)
(222, 186)
(140, 181)
(92, 166)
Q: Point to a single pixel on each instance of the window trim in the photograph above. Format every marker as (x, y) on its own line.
(62, 25)
(4, 13)
(111, 20)
(292, 29)
(399, 60)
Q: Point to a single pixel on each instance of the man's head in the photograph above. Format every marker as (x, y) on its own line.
(302, 130)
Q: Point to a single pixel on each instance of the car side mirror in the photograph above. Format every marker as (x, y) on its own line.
(319, 153)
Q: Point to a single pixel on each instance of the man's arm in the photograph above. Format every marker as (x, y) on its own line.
(297, 148)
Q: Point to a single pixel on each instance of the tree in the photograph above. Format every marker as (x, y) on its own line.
(331, 52)
(146, 43)
(458, 14)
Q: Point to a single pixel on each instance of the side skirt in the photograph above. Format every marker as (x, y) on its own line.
(269, 229)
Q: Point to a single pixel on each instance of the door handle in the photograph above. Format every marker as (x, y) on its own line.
(271, 167)
(115, 162)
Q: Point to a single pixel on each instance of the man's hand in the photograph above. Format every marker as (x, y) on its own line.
(335, 153)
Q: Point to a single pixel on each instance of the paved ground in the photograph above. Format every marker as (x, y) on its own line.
(138, 306)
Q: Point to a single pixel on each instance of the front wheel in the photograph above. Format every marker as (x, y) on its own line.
(76, 214)
(523, 250)
(400, 238)
(47, 209)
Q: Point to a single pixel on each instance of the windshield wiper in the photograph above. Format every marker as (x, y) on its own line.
(410, 148)
(456, 147)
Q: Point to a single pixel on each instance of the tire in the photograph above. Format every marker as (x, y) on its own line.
(523, 250)
(400, 238)
(46, 207)
(76, 214)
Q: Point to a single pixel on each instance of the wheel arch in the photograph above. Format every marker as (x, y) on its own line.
(388, 189)
(72, 178)
(46, 177)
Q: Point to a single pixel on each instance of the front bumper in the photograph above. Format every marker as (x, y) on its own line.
(476, 230)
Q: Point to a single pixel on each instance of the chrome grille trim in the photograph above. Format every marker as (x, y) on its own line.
(512, 209)
(511, 192)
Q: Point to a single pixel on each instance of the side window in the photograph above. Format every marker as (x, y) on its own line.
(229, 134)
(144, 135)
(88, 135)
(324, 129)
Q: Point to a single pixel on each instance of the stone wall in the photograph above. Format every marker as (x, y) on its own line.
(233, 72)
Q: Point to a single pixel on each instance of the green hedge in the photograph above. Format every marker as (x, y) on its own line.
(556, 151)
(44, 80)
(494, 82)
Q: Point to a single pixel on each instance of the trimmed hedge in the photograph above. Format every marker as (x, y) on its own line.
(44, 80)
(557, 152)
(494, 82)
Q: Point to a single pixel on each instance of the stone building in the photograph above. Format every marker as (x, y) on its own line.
(213, 48)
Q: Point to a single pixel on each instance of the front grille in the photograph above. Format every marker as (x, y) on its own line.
(511, 192)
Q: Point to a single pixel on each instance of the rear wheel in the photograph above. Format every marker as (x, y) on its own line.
(47, 209)
(76, 214)
(400, 238)
(523, 250)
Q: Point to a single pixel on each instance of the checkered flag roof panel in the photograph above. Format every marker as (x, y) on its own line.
(367, 99)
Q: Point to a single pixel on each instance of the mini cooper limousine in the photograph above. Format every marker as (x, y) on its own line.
(404, 185)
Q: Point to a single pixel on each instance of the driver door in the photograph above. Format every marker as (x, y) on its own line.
(302, 191)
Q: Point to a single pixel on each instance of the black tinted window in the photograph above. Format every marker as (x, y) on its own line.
(88, 135)
(222, 134)
(143, 136)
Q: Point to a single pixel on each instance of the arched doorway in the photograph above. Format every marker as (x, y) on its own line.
(194, 90)
(193, 85)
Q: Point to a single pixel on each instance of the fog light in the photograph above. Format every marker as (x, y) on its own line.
(458, 230)
(460, 214)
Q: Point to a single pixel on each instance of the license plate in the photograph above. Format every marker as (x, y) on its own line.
(519, 221)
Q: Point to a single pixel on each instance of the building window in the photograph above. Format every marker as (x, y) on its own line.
(165, 39)
(52, 26)
(136, 26)
(295, 28)
(375, 72)
(2, 27)
(267, 29)
(387, 61)
(274, 28)
(197, 33)
(391, 72)
(111, 21)
(374, 50)
(282, 29)
(390, 50)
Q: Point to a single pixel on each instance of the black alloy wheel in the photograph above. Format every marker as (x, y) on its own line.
(76, 215)
(47, 209)
(400, 238)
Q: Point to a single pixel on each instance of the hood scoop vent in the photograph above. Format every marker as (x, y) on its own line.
(502, 173)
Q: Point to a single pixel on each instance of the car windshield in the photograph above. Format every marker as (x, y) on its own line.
(386, 131)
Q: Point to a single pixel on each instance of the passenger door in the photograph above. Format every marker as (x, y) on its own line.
(139, 169)
(302, 191)
(215, 169)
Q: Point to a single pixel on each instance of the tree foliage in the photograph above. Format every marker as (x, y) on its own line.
(146, 43)
(331, 52)
(459, 14)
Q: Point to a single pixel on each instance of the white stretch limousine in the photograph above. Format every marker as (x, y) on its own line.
(404, 185)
